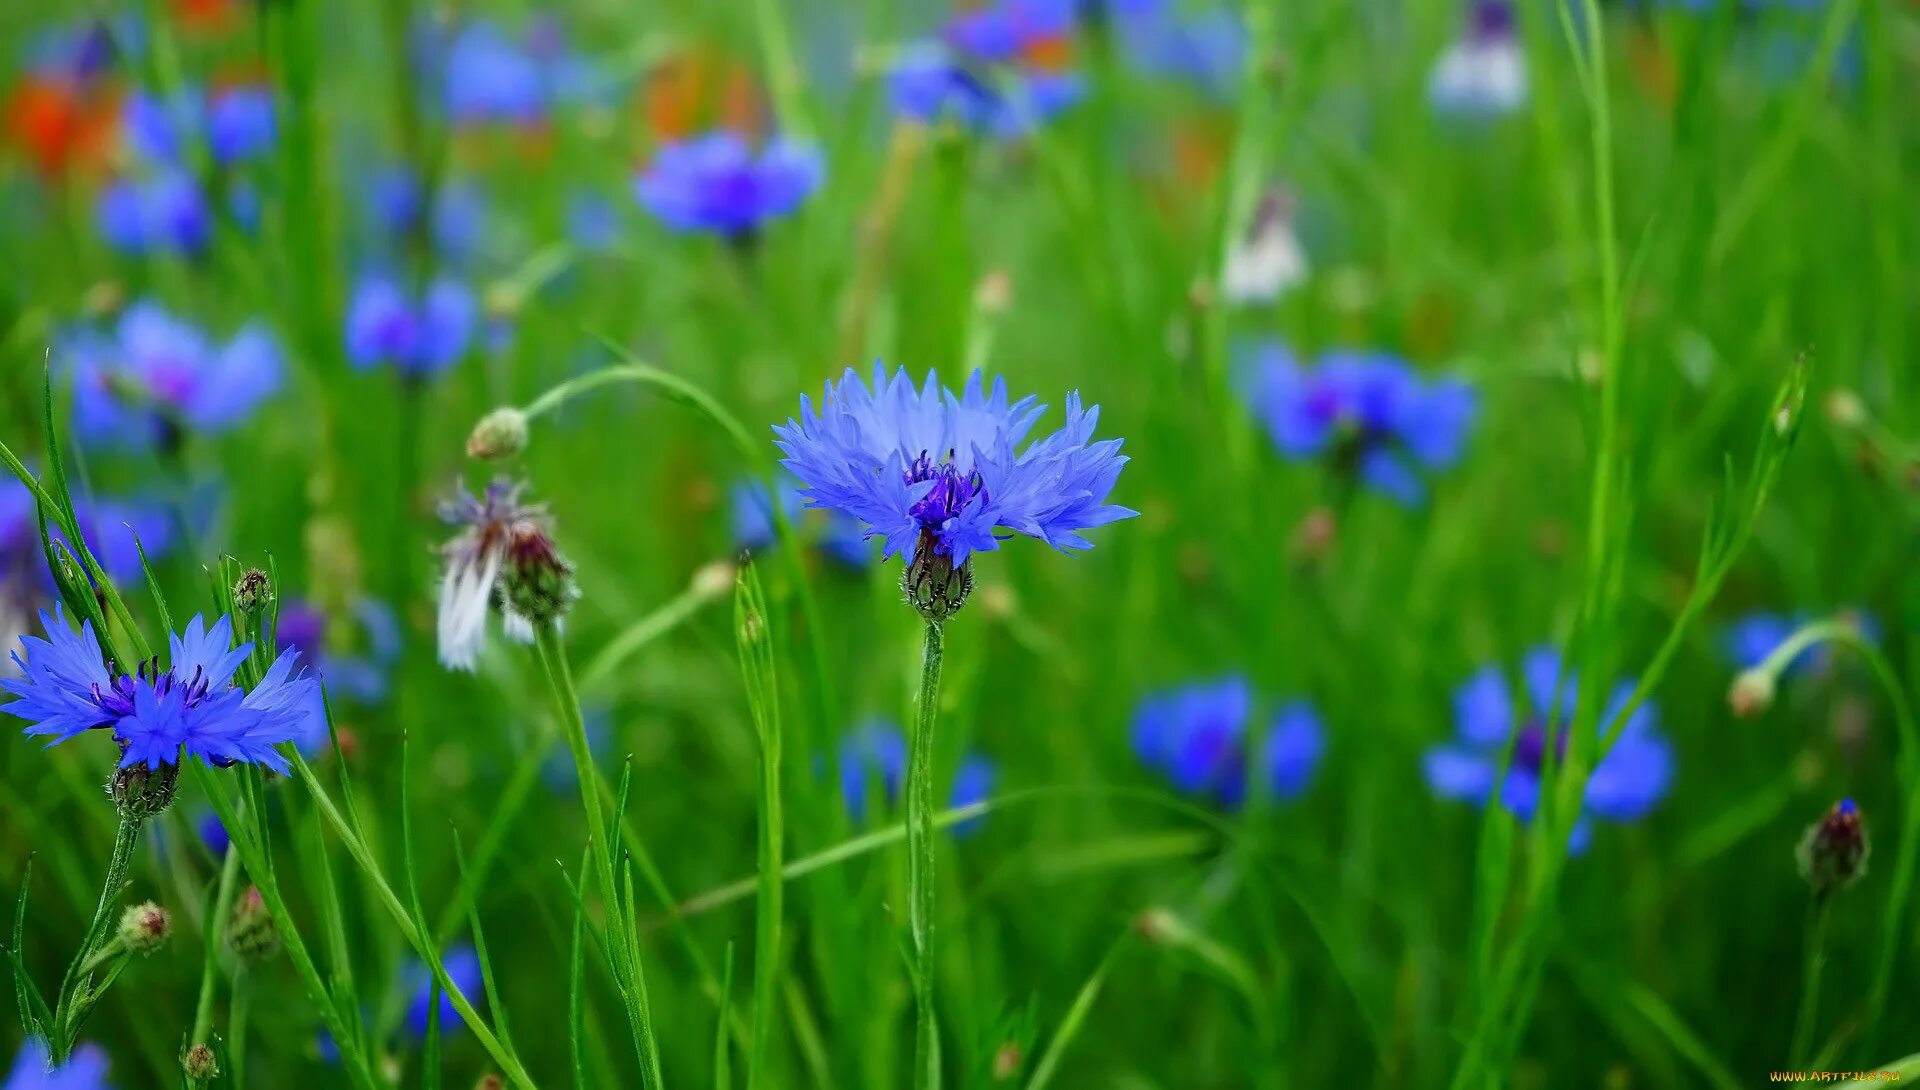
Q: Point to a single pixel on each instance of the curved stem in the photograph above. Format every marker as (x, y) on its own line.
(72, 992)
(920, 847)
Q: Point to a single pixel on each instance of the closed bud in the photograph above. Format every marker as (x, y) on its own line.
(501, 433)
(251, 933)
(933, 584)
(1752, 693)
(1833, 853)
(142, 792)
(199, 1064)
(713, 580)
(145, 927)
(1155, 925)
(491, 1081)
(1006, 1062)
(1845, 410)
(253, 592)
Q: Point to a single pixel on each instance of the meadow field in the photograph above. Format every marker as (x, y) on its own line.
(1049, 543)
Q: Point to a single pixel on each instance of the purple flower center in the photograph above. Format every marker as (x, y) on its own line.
(118, 700)
(1490, 21)
(1530, 748)
(951, 493)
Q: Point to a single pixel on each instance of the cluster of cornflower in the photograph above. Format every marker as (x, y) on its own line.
(177, 144)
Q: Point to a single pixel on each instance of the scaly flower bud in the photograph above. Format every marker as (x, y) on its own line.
(253, 591)
(536, 582)
(1833, 854)
(933, 584)
(199, 1064)
(501, 433)
(145, 927)
(251, 933)
(144, 792)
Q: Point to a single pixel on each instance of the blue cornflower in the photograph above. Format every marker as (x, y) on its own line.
(753, 523)
(114, 530)
(717, 183)
(487, 77)
(163, 212)
(397, 199)
(873, 764)
(156, 375)
(924, 467)
(357, 672)
(85, 1069)
(386, 325)
(463, 968)
(1374, 412)
(212, 833)
(999, 69)
(1196, 736)
(1484, 72)
(68, 687)
(1626, 784)
(1207, 48)
(240, 122)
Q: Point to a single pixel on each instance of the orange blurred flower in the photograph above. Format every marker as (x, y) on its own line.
(63, 127)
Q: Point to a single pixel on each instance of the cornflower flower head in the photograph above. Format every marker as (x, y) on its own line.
(935, 475)
(397, 200)
(753, 508)
(1196, 737)
(1484, 72)
(717, 183)
(872, 765)
(191, 707)
(1205, 48)
(85, 1069)
(1373, 413)
(503, 560)
(1625, 785)
(156, 377)
(164, 211)
(1000, 69)
(463, 968)
(1832, 855)
(420, 337)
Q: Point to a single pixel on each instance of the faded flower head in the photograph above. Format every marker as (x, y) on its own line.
(1627, 783)
(1373, 414)
(157, 714)
(503, 559)
(1833, 853)
(935, 475)
(1196, 737)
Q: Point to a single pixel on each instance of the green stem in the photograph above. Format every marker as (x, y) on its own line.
(1810, 984)
(622, 946)
(73, 991)
(926, 1053)
(216, 931)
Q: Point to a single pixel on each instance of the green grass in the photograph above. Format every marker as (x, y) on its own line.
(1670, 250)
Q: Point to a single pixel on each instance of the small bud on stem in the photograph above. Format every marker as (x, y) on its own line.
(501, 433)
(145, 927)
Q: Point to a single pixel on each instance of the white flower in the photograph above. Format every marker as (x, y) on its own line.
(1481, 76)
(474, 561)
(1268, 261)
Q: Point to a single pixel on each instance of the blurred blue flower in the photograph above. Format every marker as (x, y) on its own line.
(1207, 48)
(593, 223)
(999, 69)
(397, 199)
(1374, 412)
(156, 374)
(114, 530)
(463, 968)
(163, 212)
(212, 833)
(487, 77)
(1627, 783)
(910, 463)
(66, 689)
(421, 338)
(753, 523)
(1484, 72)
(872, 764)
(240, 122)
(1196, 736)
(85, 1069)
(717, 183)
(356, 667)
(76, 53)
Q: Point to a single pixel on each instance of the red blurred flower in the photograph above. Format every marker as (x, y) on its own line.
(61, 125)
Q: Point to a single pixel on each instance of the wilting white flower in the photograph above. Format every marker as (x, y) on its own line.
(1483, 73)
(1268, 261)
(469, 589)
